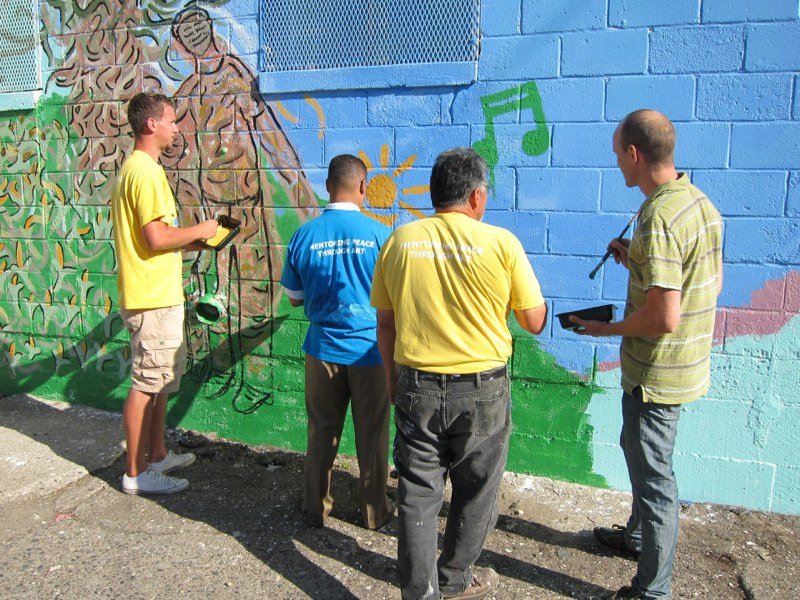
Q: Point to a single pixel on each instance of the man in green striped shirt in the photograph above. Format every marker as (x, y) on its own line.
(675, 275)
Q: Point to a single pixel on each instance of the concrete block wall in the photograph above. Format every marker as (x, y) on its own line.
(554, 77)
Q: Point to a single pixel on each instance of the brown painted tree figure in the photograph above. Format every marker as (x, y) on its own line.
(231, 157)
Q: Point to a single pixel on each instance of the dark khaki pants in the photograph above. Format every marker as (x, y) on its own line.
(329, 389)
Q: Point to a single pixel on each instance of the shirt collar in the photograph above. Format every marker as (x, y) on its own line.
(342, 206)
(674, 184)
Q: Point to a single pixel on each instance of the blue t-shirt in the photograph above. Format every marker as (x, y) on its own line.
(329, 265)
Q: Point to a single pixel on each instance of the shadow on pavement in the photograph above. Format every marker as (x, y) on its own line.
(253, 495)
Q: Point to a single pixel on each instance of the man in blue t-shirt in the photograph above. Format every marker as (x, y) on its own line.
(328, 270)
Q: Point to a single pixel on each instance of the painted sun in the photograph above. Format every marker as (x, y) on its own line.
(382, 189)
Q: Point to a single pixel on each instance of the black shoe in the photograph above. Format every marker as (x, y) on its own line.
(614, 538)
(626, 592)
(312, 520)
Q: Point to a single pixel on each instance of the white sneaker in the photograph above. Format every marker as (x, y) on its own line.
(153, 482)
(171, 462)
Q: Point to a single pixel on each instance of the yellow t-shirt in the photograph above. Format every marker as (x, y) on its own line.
(145, 278)
(451, 282)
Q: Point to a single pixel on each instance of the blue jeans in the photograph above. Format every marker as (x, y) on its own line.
(456, 425)
(648, 438)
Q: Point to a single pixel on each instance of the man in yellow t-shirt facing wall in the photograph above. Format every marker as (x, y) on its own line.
(443, 288)
(148, 245)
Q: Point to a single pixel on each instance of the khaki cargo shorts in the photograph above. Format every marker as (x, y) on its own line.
(158, 349)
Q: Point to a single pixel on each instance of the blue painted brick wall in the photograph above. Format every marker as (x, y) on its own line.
(615, 196)
(426, 143)
(745, 193)
(696, 49)
(583, 145)
(765, 146)
(400, 108)
(773, 47)
(500, 17)
(580, 234)
(555, 189)
(765, 240)
(796, 98)
(543, 15)
(503, 196)
(604, 52)
(514, 58)
(702, 145)
(348, 141)
(744, 97)
(561, 276)
(340, 111)
(635, 13)
(730, 11)
(531, 227)
(572, 99)
(793, 197)
(673, 95)
(466, 107)
(740, 280)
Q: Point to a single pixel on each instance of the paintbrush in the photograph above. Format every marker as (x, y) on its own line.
(608, 252)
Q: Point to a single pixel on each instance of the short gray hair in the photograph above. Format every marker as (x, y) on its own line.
(455, 175)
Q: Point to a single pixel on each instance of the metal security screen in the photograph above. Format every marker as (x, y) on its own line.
(19, 46)
(300, 35)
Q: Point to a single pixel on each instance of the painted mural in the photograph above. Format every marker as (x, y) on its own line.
(261, 159)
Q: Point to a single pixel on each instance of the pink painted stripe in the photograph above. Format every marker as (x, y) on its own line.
(771, 307)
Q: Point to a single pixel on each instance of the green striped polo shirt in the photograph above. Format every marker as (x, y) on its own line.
(678, 246)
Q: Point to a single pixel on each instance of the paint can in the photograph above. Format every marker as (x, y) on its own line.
(210, 309)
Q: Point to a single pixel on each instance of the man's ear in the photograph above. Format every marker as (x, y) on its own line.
(476, 201)
(634, 154)
(362, 187)
(150, 125)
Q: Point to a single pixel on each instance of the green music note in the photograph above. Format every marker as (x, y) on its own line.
(517, 98)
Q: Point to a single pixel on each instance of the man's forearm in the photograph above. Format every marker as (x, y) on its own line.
(638, 324)
(386, 339)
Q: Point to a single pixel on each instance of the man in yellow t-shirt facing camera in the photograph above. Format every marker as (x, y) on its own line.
(148, 243)
(443, 288)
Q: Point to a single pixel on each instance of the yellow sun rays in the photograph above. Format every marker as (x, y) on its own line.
(382, 189)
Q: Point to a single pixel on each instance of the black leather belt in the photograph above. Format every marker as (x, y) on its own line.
(428, 376)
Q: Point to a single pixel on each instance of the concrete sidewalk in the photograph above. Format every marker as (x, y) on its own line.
(68, 532)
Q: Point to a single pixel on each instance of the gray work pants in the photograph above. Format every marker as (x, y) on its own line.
(456, 425)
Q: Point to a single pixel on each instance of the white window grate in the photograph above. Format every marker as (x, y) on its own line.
(299, 36)
(19, 46)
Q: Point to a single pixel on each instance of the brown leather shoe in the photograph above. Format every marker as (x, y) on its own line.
(484, 580)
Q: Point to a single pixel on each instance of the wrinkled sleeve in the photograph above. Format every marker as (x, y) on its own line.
(662, 255)
(152, 197)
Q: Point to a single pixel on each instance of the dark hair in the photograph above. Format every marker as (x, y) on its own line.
(455, 175)
(345, 170)
(651, 133)
(146, 105)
